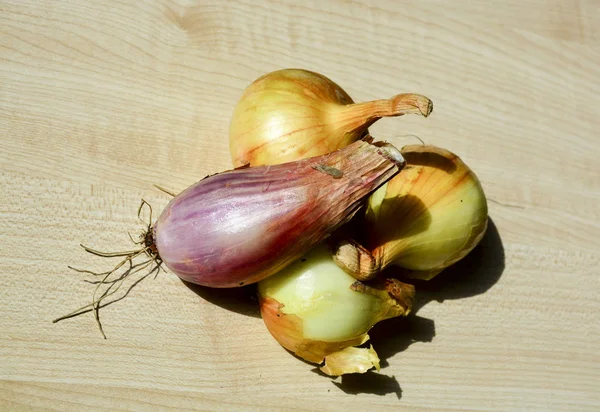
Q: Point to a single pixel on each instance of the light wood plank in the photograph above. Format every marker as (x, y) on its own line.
(101, 100)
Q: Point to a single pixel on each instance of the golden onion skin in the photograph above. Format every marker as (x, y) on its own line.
(425, 219)
(315, 309)
(293, 114)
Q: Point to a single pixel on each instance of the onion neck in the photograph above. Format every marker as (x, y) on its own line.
(358, 261)
(359, 116)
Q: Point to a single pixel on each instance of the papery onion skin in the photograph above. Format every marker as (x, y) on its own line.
(351, 360)
(287, 330)
(314, 309)
(293, 114)
(240, 226)
(425, 219)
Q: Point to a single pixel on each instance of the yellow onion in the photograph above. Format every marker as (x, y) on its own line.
(428, 217)
(293, 114)
(319, 312)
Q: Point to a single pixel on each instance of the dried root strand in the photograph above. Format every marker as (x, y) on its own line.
(167, 191)
(112, 280)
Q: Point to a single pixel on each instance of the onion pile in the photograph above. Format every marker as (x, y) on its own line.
(426, 218)
(305, 167)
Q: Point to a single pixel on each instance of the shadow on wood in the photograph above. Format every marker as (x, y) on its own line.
(473, 275)
(370, 382)
(388, 338)
(396, 335)
(240, 300)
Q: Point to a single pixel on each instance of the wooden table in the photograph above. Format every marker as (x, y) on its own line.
(100, 100)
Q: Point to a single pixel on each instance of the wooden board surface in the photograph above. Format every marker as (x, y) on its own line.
(100, 100)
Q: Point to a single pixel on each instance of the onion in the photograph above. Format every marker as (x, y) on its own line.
(428, 217)
(243, 225)
(293, 114)
(319, 312)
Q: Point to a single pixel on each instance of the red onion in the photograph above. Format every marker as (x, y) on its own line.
(241, 226)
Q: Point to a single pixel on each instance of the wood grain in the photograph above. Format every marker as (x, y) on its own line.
(101, 100)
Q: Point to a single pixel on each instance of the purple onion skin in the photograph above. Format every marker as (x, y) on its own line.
(241, 226)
